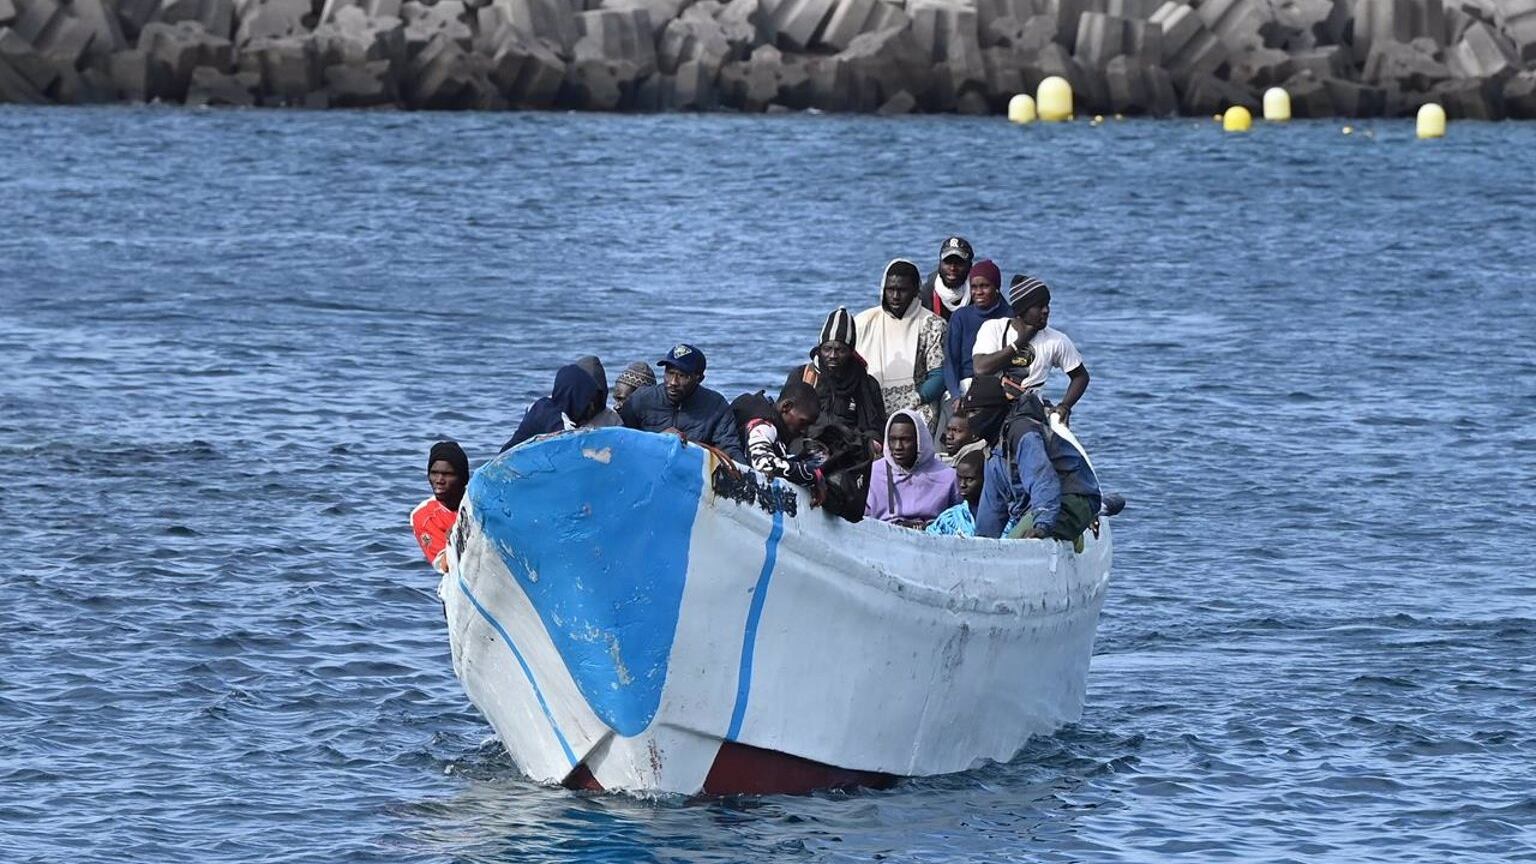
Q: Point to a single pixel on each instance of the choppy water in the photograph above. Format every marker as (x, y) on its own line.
(226, 340)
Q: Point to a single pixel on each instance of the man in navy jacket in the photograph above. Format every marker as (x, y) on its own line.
(677, 404)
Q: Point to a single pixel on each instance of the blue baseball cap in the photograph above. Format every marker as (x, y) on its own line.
(684, 358)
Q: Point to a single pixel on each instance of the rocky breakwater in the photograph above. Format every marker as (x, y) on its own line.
(1155, 57)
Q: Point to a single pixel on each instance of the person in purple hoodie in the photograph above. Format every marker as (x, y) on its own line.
(909, 486)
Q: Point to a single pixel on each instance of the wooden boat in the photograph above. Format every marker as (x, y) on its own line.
(633, 613)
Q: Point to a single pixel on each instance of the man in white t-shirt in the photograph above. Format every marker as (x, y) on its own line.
(1022, 349)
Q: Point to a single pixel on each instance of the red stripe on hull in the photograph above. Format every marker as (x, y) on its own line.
(743, 770)
(582, 779)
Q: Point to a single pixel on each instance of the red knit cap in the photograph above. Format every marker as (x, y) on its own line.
(986, 268)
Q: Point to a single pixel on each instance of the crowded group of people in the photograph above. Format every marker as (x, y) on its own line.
(924, 411)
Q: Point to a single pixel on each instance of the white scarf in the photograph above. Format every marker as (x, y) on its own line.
(889, 344)
(952, 298)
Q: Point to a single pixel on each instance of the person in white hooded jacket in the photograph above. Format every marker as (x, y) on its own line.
(903, 344)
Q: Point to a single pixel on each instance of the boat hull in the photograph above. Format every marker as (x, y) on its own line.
(631, 614)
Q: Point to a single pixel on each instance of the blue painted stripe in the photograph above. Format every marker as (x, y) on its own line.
(491, 619)
(754, 617)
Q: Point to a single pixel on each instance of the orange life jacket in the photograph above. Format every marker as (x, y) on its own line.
(431, 522)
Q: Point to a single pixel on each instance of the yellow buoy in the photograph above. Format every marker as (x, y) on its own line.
(1348, 130)
(1054, 99)
(1237, 119)
(1215, 118)
(1277, 105)
(1021, 109)
(1431, 122)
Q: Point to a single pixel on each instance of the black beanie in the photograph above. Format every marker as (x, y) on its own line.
(1026, 292)
(453, 454)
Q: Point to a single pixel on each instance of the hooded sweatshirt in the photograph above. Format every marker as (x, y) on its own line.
(923, 492)
(905, 352)
(567, 403)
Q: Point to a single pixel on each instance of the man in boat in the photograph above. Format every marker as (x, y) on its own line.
(909, 486)
(960, 520)
(960, 440)
(768, 428)
(571, 402)
(635, 376)
(848, 396)
(903, 344)
(986, 304)
(1037, 483)
(946, 290)
(1023, 349)
(433, 519)
(605, 416)
(680, 406)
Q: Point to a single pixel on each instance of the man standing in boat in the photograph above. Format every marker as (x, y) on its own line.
(1023, 349)
(680, 406)
(947, 290)
(903, 343)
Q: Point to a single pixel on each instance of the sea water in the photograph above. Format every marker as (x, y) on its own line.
(228, 338)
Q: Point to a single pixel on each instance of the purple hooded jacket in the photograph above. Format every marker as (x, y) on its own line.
(921, 493)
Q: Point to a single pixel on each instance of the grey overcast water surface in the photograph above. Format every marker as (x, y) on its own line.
(227, 339)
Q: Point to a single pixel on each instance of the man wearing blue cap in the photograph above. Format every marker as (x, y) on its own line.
(677, 404)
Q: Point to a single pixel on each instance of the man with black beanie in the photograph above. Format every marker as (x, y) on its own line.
(433, 519)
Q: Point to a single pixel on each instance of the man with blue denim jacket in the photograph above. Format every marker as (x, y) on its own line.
(1037, 483)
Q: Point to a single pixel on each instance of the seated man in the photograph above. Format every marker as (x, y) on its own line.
(571, 402)
(909, 486)
(635, 376)
(433, 519)
(768, 428)
(1037, 484)
(959, 440)
(960, 520)
(680, 406)
(605, 416)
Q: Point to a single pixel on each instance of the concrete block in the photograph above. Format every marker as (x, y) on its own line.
(1134, 10)
(988, 11)
(370, 8)
(879, 64)
(1470, 99)
(528, 73)
(611, 35)
(16, 89)
(106, 31)
(1069, 14)
(448, 19)
(658, 12)
(1237, 23)
(1203, 95)
(1189, 48)
(1520, 96)
(7, 12)
(1408, 65)
(353, 39)
(132, 15)
(692, 40)
(552, 20)
(1102, 37)
(1260, 69)
(1518, 19)
(272, 19)
(1351, 99)
(216, 16)
(693, 87)
(593, 85)
(947, 34)
(18, 55)
(747, 24)
(1309, 96)
(215, 87)
(851, 17)
(799, 22)
(363, 85)
(1328, 61)
(34, 19)
(288, 68)
(901, 102)
(1480, 54)
(128, 72)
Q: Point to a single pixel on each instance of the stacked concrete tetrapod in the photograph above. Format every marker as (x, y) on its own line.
(1152, 57)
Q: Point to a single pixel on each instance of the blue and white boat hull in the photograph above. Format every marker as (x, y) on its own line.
(630, 614)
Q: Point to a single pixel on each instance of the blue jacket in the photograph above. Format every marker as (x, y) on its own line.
(1032, 483)
(704, 416)
(963, 327)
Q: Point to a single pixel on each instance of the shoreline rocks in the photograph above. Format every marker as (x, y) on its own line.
(1353, 58)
